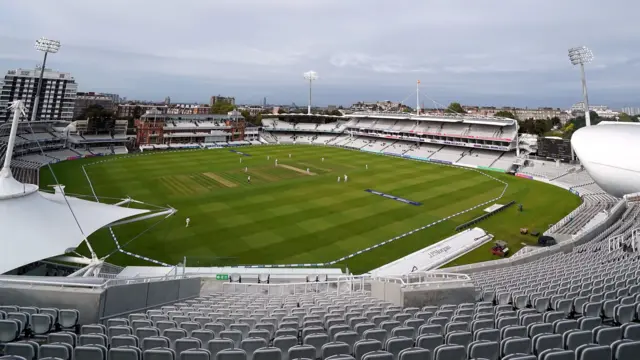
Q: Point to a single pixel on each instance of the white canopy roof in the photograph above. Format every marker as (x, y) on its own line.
(37, 225)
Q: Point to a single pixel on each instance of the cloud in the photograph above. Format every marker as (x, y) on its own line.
(493, 51)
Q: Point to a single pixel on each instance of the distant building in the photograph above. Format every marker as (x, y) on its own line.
(57, 95)
(167, 100)
(86, 99)
(114, 97)
(631, 111)
(188, 109)
(601, 110)
(219, 98)
(127, 110)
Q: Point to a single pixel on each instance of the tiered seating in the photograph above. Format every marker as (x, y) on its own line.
(546, 169)
(357, 327)
(358, 143)
(424, 151)
(399, 148)
(62, 154)
(448, 154)
(378, 145)
(505, 161)
(577, 219)
(101, 150)
(120, 150)
(480, 157)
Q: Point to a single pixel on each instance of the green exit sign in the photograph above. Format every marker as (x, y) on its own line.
(222, 277)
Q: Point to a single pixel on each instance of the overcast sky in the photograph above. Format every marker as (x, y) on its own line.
(490, 52)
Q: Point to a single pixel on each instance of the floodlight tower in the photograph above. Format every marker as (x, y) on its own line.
(311, 76)
(46, 46)
(580, 56)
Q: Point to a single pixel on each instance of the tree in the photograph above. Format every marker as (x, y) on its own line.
(555, 121)
(625, 117)
(505, 114)
(99, 118)
(137, 112)
(281, 111)
(455, 108)
(221, 107)
(333, 112)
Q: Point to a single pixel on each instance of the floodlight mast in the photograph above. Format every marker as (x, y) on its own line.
(580, 56)
(47, 46)
(311, 76)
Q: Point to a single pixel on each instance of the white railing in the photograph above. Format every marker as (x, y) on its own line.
(21, 280)
(424, 278)
(344, 285)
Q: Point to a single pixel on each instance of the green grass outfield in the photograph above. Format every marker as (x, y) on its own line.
(288, 217)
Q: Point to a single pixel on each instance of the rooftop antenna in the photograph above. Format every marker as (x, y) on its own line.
(580, 56)
(311, 76)
(418, 97)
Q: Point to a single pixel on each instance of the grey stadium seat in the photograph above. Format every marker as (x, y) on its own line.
(58, 350)
(184, 344)
(250, 345)
(484, 349)
(155, 342)
(335, 348)
(216, 345)
(233, 354)
(449, 352)
(284, 343)
(159, 354)
(415, 354)
(267, 353)
(195, 354)
(23, 349)
(302, 352)
(378, 355)
(92, 352)
(125, 353)
(395, 345)
(364, 346)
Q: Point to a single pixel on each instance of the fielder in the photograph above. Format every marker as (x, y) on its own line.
(249, 179)
(346, 178)
(276, 162)
(338, 178)
(307, 170)
(322, 159)
(246, 168)
(289, 156)
(366, 166)
(240, 160)
(187, 222)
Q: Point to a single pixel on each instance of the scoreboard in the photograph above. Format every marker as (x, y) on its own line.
(554, 148)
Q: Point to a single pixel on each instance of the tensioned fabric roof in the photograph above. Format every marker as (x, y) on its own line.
(36, 225)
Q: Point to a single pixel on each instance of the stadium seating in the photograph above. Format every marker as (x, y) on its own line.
(598, 317)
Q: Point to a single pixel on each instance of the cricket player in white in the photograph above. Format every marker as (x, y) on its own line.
(241, 160)
(246, 168)
(322, 159)
(187, 222)
(249, 179)
(338, 178)
(289, 156)
(276, 162)
(307, 170)
(268, 157)
(366, 166)
(346, 178)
